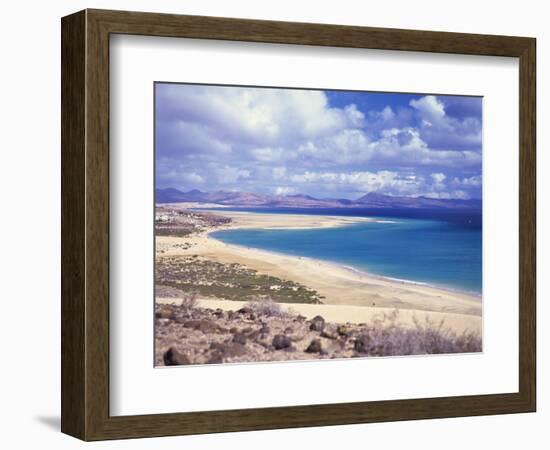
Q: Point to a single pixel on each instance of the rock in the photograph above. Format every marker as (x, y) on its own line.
(215, 358)
(223, 351)
(317, 324)
(314, 346)
(343, 330)
(253, 335)
(280, 341)
(245, 310)
(234, 330)
(164, 313)
(174, 358)
(204, 325)
(239, 338)
(289, 330)
(329, 332)
(362, 344)
(265, 330)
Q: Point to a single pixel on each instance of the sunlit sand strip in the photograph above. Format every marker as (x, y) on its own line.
(287, 221)
(354, 314)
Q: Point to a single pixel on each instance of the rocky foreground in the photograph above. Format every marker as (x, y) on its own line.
(261, 331)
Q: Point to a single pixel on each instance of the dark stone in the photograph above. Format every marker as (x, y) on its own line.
(174, 358)
(280, 341)
(328, 334)
(215, 358)
(362, 343)
(239, 338)
(234, 330)
(253, 335)
(317, 324)
(314, 346)
(245, 310)
(164, 313)
(204, 325)
(223, 351)
(343, 330)
(289, 330)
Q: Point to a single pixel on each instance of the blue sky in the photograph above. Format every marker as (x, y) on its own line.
(328, 144)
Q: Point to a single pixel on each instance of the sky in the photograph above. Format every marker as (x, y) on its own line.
(323, 143)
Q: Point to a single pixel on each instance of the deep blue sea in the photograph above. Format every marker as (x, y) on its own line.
(441, 248)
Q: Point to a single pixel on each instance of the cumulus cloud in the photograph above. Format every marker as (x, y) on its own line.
(228, 174)
(291, 140)
(284, 190)
(440, 130)
(473, 181)
(384, 181)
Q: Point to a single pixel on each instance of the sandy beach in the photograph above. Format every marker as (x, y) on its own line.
(286, 221)
(337, 284)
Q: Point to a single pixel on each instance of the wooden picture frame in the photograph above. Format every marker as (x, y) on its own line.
(85, 224)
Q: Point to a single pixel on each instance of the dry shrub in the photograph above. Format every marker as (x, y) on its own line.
(266, 307)
(189, 301)
(386, 337)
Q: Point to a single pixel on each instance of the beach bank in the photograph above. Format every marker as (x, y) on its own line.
(336, 284)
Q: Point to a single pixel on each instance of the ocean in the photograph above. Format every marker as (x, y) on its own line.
(437, 247)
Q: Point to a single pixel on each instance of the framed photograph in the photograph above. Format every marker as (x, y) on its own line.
(273, 225)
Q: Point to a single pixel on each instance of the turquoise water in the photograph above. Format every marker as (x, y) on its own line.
(438, 252)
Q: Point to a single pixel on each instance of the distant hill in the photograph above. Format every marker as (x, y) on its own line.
(370, 200)
(374, 200)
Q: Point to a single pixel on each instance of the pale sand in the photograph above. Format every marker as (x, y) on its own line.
(286, 221)
(459, 323)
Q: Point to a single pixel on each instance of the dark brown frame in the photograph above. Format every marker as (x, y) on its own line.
(85, 224)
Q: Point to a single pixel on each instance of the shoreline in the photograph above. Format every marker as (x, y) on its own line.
(338, 222)
(337, 284)
(352, 269)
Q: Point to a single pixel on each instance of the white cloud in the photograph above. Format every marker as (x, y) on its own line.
(363, 181)
(443, 131)
(257, 115)
(284, 190)
(278, 172)
(438, 177)
(406, 147)
(473, 181)
(383, 181)
(257, 138)
(431, 109)
(228, 174)
(272, 154)
(346, 146)
(193, 178)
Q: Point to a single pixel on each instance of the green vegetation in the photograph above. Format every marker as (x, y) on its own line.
(173, 231)
(228, 281)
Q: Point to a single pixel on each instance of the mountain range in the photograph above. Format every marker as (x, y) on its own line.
(370, 200)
